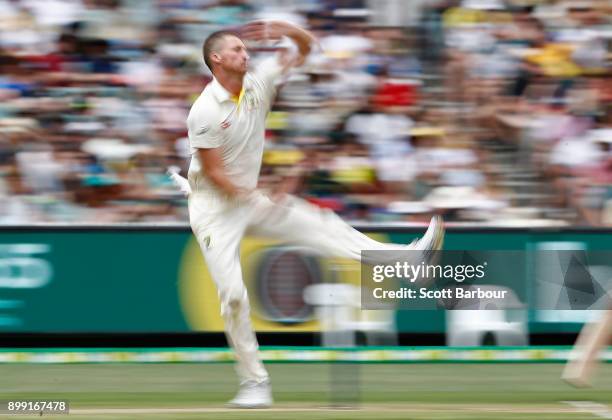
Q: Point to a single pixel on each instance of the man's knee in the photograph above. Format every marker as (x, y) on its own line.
(234, 301)
(235, 304)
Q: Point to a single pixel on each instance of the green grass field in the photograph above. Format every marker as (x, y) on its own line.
(302, 391)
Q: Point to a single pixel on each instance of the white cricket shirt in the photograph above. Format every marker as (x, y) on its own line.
(238, 129)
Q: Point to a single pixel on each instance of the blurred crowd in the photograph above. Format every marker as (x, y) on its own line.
(488, 112)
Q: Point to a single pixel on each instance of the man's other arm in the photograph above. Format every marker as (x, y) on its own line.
(213, 169)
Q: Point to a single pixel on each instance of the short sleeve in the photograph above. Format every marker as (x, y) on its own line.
(269, 71)
(203, 135)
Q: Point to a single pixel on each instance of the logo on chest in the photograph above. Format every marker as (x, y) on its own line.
(248, 103)
(250, 100)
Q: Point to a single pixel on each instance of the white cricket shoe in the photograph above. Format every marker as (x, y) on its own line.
(434, 236)
(253, 395)
(576, 375)
(576, 381)
(430, 244)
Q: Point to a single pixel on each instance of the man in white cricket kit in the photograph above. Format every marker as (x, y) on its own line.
(226, 134)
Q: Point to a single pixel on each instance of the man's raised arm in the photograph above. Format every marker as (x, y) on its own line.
(275, 30)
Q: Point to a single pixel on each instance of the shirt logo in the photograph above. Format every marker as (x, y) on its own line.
(203, 130)
(225, 124)
(251, 101)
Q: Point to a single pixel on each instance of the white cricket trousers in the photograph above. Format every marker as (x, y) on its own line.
(219, 225)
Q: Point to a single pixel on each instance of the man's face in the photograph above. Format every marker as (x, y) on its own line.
(233, 55)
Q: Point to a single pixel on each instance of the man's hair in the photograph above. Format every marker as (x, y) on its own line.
(212, 43)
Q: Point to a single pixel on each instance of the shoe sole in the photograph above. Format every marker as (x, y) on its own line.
(438, 234)
(248, 406)
(576, 382)
(438, 239)
(430, 255)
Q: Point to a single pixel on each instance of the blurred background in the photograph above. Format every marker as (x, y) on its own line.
(495, 114)
(489, 112)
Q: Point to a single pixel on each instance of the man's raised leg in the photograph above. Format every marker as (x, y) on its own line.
(299, 222)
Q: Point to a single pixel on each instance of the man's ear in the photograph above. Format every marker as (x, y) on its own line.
(216, 58)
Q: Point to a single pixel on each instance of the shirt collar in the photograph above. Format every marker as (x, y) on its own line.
(222, 94)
